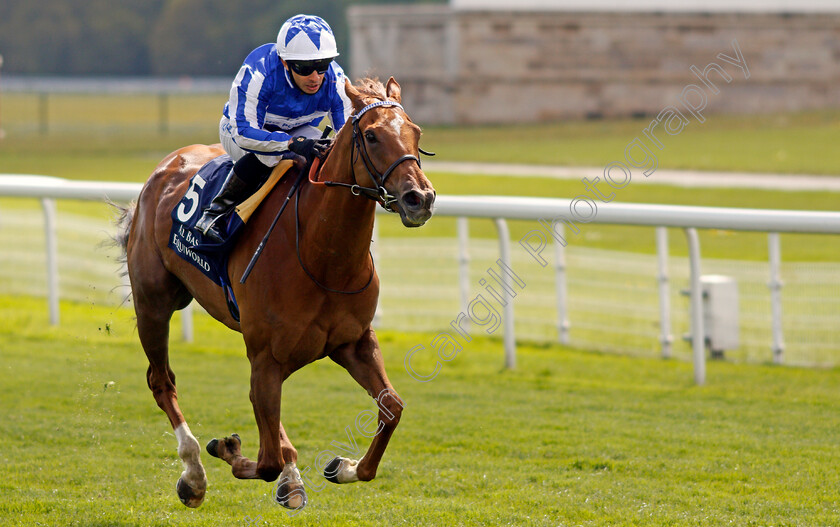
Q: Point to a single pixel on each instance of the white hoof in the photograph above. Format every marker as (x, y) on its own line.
(341, 470)
(193, 481)
(290, 492)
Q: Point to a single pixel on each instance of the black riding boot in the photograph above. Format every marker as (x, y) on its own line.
(234, 191)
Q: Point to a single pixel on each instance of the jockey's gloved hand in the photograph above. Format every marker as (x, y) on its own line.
(309, 148)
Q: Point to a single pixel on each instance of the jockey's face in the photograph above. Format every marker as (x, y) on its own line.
(309, 84)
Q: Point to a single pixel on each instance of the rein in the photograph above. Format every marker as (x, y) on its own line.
(309, 274)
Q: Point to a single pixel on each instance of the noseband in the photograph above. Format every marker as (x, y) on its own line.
(378, 192)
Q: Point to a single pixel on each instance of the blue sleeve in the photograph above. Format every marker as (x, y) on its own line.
(248, 103)
(340, 107)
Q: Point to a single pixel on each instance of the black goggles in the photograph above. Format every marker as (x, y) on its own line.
(305, 68)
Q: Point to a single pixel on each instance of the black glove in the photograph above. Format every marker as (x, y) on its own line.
(309, 148)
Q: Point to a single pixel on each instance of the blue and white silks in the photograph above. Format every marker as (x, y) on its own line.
(265, 105)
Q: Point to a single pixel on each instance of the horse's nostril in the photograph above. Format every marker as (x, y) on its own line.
(412, 200)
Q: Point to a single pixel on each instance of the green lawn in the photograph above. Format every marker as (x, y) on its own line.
(569, 438)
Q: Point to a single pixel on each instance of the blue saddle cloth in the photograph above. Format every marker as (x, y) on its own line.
(209, 256)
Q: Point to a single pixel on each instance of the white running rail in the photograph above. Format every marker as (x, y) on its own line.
(499, 209)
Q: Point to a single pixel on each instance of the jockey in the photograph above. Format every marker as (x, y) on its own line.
(281, 93)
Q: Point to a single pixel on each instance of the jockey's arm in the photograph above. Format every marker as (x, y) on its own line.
(248, 106)
(342, 107)
(260, 141)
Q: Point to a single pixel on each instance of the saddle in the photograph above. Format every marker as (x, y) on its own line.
(208, 256)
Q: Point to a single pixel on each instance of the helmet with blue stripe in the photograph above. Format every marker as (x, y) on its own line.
(306, 37)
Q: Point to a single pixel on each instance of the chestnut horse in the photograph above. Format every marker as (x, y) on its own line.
(312, 293)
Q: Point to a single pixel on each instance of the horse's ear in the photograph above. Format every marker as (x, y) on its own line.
(354, 95)
(393, 90)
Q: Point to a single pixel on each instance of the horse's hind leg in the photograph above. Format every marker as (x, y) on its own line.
(156, 296)
(364, 362)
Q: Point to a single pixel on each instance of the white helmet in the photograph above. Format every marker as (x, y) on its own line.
(306, 37)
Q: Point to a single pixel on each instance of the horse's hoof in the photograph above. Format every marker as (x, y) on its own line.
(232, 444)
(291, 495)
(188, 495)
(341, 470)
(213, 447)
(331, 470)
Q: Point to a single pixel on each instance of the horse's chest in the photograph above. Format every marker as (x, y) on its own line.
(329, 329)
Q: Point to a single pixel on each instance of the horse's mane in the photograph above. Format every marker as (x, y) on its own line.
(371, 87)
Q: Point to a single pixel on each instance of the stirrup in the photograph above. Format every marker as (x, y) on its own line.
(206, 221)
(206, 225)
(234, 190)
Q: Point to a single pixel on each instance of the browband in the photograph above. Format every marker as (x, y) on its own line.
(375, 105)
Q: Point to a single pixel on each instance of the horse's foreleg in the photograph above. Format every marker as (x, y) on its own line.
(365, 364)
(277, 456)
(290, 491)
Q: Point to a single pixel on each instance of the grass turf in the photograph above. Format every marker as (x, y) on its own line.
(569, 438)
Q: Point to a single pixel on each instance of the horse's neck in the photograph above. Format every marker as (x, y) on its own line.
(339, 225)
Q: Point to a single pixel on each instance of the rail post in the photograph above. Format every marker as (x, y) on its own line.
(374, 254)
(698, 332)
(48, 206)
(665, 336)
(187, 322)
(774, 248)
(43, 113)
(463, 228)
(509, 336)
(561, 288)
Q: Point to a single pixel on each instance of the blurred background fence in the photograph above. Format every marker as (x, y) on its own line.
(44, 105)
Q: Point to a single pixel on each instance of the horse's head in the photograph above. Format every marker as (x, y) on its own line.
(386, 151)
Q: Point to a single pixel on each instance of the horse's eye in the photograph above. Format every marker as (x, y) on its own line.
(370, 136)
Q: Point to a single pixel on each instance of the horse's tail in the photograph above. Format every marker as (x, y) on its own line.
(125, 216)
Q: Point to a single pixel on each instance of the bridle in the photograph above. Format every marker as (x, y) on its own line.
(378, 192)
